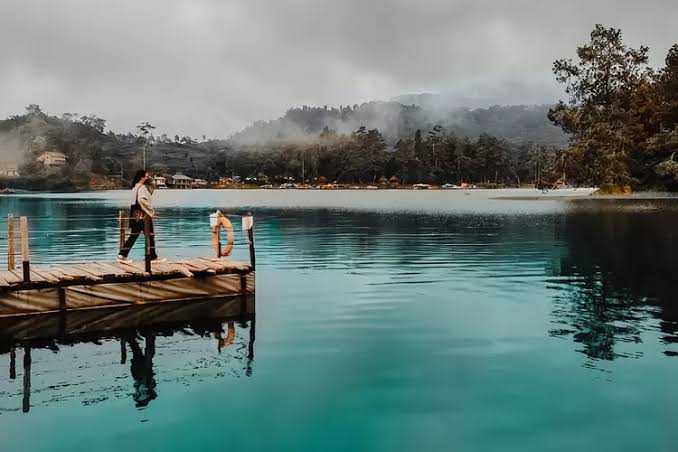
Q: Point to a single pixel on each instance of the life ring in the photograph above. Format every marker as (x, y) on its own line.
(222, 221)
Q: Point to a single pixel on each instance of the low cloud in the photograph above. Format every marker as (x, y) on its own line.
(212, 67)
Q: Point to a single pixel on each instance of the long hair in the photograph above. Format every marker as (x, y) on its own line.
(137, 177)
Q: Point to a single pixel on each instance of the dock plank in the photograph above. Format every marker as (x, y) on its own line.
(210, 264)
(88, 270)
(91, 273)
(163, 268)
(108, 269)
(61, 275)
(195, 267)
(70, 270)
(41, 275)
(183, 270)
(226, 264)
(18, 276)
(37, 277)
(137, 269)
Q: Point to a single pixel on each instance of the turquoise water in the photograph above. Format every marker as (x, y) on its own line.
(390, 320)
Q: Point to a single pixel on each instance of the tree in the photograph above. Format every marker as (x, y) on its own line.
(600, 87)
(34, 110)
(145, 133)
(95, 122)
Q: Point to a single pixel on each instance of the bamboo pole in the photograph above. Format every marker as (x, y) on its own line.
(25, 258)
(10, 242)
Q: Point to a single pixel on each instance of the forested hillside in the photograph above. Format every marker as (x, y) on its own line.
(396, 121)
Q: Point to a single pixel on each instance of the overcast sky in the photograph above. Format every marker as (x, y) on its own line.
(213, 66)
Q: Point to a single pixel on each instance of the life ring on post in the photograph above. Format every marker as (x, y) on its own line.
(216, 232)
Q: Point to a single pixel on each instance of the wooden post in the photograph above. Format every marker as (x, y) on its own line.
(121, 225)
(123, 351)
(214, 224)
(62, 298)
(250, 346)
(26, 406)
(10, 242)
(253, 257)
(12, 363)
(147, 236)
(25, 258)
(248, 227)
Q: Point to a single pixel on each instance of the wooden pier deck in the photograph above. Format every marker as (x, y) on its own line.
(64, 287)
(89, 273)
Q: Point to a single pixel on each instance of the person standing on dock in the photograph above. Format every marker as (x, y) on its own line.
(141, 210)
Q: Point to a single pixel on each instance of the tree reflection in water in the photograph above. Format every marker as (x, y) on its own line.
(619, 275)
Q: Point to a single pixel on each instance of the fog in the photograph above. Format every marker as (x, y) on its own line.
(213, 67)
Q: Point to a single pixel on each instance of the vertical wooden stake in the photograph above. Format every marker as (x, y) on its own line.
(62, 298)
(12, 363)
(27, 380)
(123, 351)
(253, 259)
(121, 225)
(25, 258)
(250, 346)
(248, 227)
(147, 236)
(10, 242)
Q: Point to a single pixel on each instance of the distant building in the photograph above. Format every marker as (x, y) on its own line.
(229, 180)
(180, 180)
(160, 182)
(199, 182)
(8, 169)
(52, 159)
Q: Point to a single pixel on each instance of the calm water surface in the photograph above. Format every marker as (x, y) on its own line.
(396, 320)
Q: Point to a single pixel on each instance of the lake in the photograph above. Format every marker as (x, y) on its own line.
(385, 320)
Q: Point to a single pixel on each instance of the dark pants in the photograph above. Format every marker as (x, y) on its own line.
(137, 229)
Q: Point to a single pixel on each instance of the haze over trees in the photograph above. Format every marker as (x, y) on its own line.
(364, 155)
(616, 128)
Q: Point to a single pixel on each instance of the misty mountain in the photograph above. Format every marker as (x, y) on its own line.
(401, 118)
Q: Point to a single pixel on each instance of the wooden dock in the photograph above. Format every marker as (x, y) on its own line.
(89, 273)
(63, 287)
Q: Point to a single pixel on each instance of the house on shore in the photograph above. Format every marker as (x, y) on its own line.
(52, 159)
(182, 181)
(160, 182)
(8, 169)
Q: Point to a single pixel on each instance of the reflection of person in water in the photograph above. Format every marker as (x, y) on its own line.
(230, 336)
(142, 370)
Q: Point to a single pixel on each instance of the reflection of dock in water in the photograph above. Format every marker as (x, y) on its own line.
(136, 328)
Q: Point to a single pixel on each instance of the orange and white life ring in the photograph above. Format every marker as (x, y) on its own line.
(216, 231)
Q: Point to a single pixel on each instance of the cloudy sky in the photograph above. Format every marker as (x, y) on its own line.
(213, 66)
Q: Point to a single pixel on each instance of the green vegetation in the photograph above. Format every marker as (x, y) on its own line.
(621, 115)
(438, 155)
